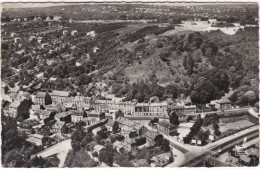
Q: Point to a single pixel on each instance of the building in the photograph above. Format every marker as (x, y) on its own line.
(42, 98)
(98, 148)
(64, 116)
(36, 139)
(165, 116)
(91, 34)
(74, 32)
(167, 128)
(151, 136)
(130, 144)
(22, 95)
(58, 97)
(224, 104)
(150, 109)
(44, 114)
(178, 109)
(190, 109)
(65, 32)
(59, 127)
(14, 91)
(112, 126)
(77, 116)
(161, 160)
(125, 124)
(99, 130)
(94, 117)
(33, 112)
(119, 146)
(81, 102)
(245, 160)
(17, 40)
(13, 34)
(13, 109)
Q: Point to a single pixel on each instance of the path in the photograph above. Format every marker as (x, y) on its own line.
(61, 149)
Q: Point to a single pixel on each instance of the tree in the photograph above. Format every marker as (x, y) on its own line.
(174, 118)
(250, 96)
(106, 156)
(216, 129)
(119, 114)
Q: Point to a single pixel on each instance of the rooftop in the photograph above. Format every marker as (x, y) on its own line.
(14, 104)
(40, 94)
(60, 93)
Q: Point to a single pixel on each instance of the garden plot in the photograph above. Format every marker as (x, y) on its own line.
(235, 125)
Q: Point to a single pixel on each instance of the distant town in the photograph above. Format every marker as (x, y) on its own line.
(130, 87)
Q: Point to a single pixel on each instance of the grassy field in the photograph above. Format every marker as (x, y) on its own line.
(236, 124)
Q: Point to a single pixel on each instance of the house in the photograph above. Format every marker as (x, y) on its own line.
(36, 139)
(13, 109)
(112, 126)
(212, 21)
(190, 109)
(177, 109)
(57, 18)
(14, 91)
(99, 130)
(44, 45)
(129, 134)
(167, 128)
(33, 112)
(224, 104)
(125, 124)
(129, 144)
(77, 116)
(65, 32)
(44, 114)
(59, 96)
(95, 49)
(74, 32)
(150, 109)
(42, 98)
(31, 38)
(16, 40)
(59, 127)
(81, 102)
(151, 136)
(182, 117)
(13, 34)
(22, 95)
(91, 34)
(119, 146)
(95, 116)
(245, 160)
(64, 116)
(165, 116)
(161, 160)
(140, 163)
(5, 107)
(98, 148)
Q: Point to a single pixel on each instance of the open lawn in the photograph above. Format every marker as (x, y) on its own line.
(234, 125)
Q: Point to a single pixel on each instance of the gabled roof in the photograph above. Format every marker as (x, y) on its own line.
(43, 112)
(63, 114)
(40, 94)
(110, 122)
(118, 144)
(224, 101)
(125, 121)
(99, 147)
(151, 134)
(59, 123)
(245, 158)
(15, 89)
(36, 107)
(165, 115)
(15, 104)
(130, 140)
(60, 93)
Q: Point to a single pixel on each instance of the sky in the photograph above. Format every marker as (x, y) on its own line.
(44, 4)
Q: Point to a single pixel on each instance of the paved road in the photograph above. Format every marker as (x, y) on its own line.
(61, 149)
(196, 158)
